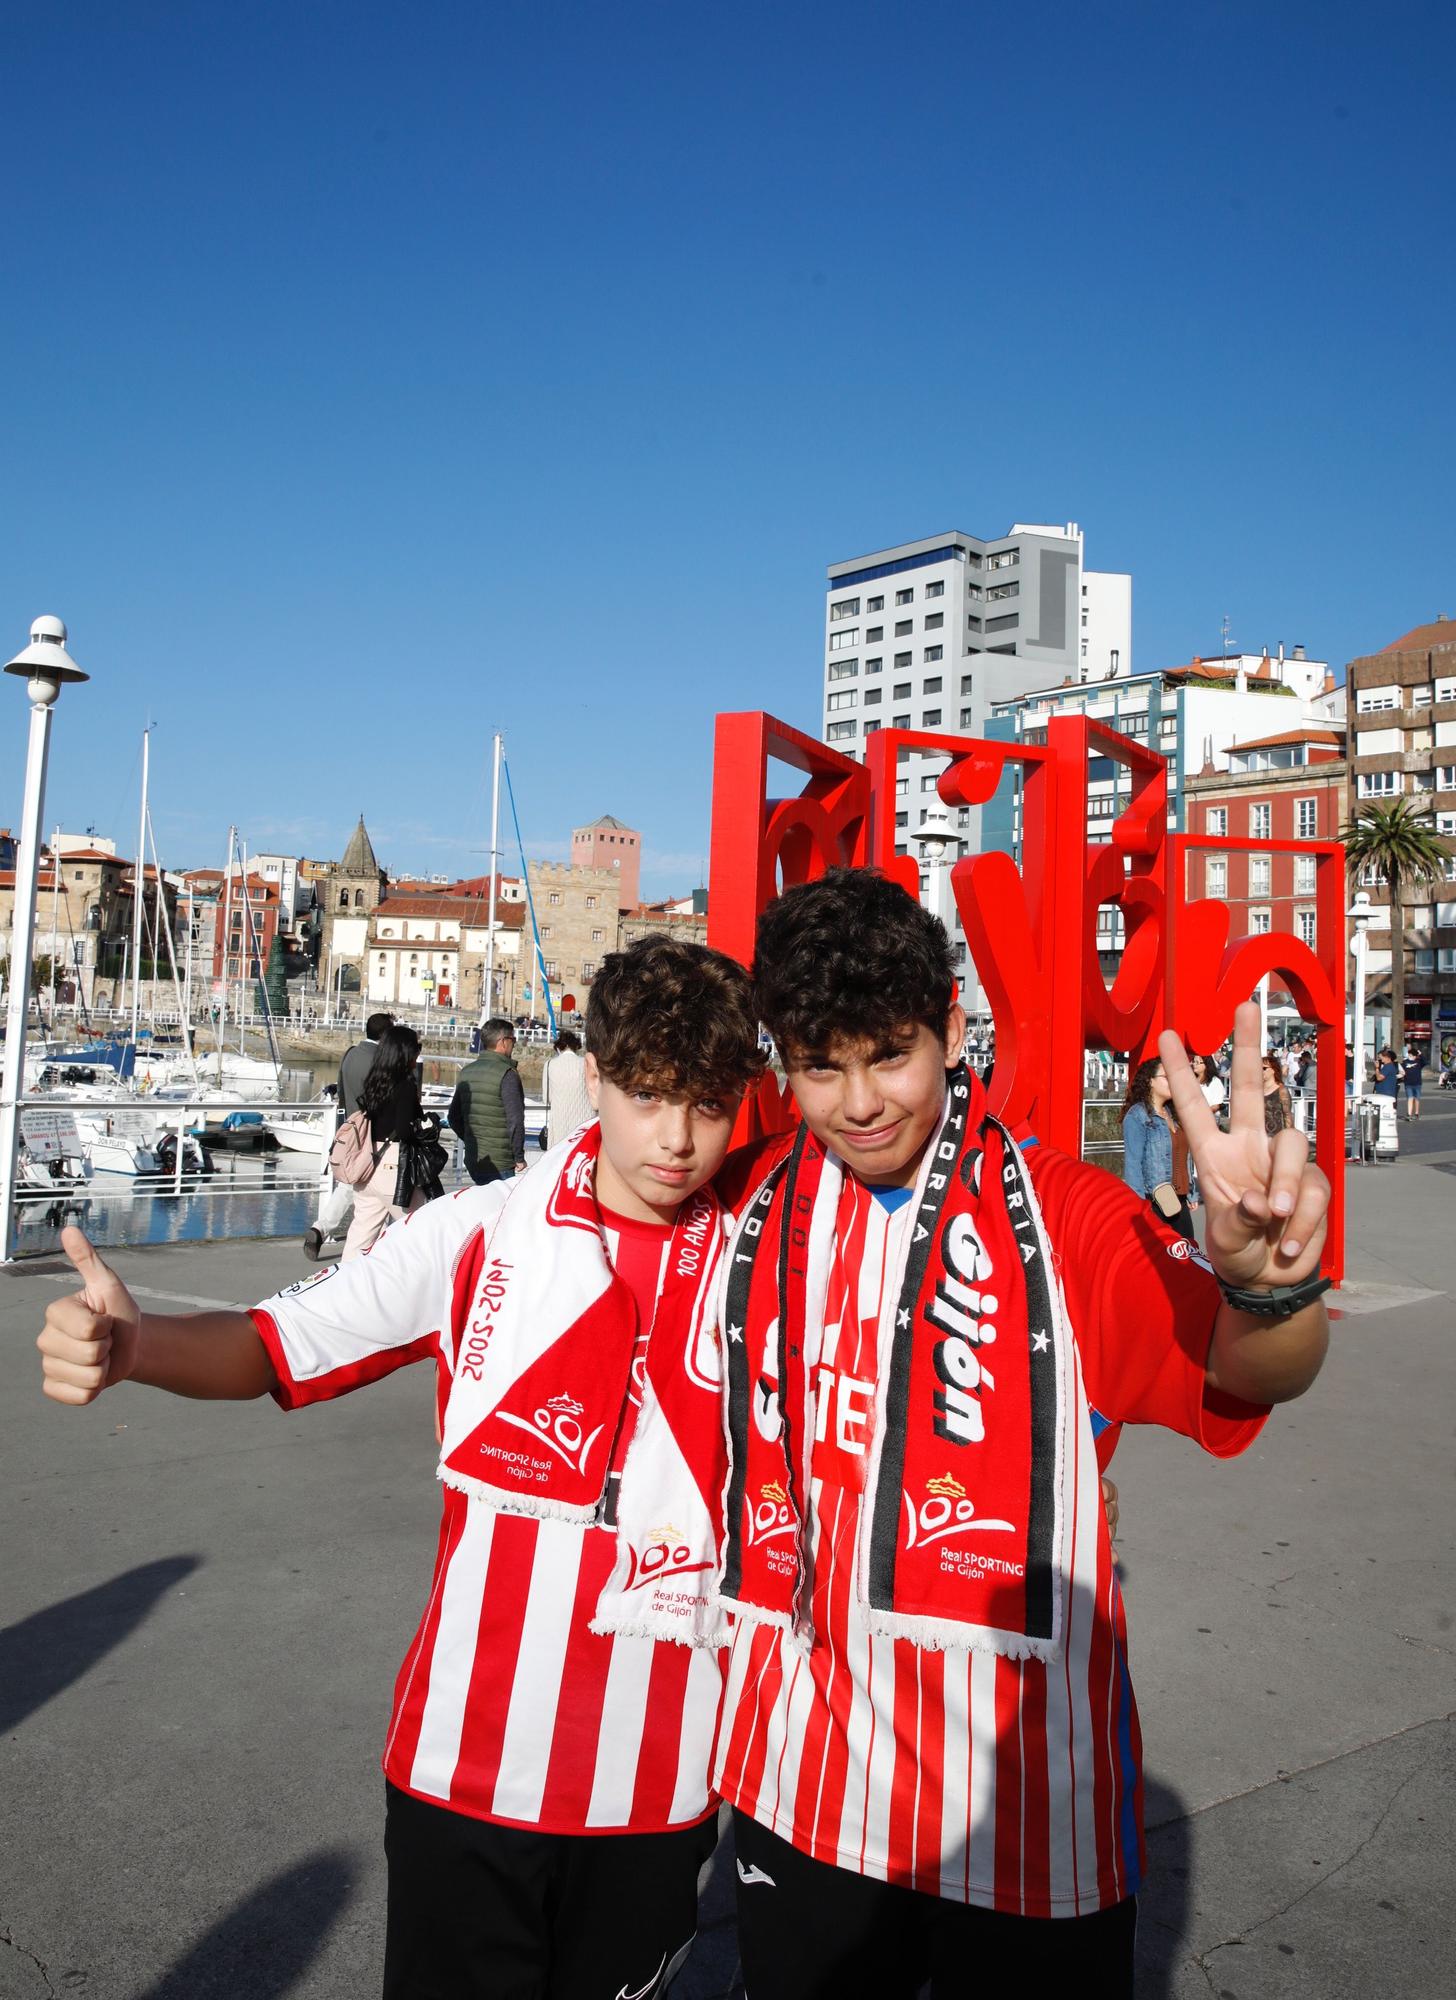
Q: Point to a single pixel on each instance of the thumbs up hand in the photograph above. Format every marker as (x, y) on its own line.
(90, 1339)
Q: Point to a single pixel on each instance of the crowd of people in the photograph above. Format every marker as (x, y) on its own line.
(773, 1477)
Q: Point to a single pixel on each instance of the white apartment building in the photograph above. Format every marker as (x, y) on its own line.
(937, 634)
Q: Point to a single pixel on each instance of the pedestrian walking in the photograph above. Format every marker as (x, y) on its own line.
(390, 1101)
(1278, 1111)
(1154, 1152)
(488, 1109)
(354, 1066)
(563, 1086)
(1412, 1076)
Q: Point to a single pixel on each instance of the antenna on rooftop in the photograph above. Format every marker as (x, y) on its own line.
(1225, 629)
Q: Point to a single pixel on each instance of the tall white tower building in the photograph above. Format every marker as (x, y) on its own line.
(934, 634)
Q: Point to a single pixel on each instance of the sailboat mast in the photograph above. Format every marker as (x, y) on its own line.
(227, 912)
(139, 881)
(494, 874)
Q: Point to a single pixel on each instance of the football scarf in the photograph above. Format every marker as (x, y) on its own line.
(963, 1520)
(561, 1406)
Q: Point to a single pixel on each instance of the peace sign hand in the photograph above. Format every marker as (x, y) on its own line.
(1267, 1203)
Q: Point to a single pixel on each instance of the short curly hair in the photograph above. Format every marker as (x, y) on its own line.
(675, 1016)
(850, 957)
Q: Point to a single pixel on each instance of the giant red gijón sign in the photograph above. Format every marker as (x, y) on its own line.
(1032, 930)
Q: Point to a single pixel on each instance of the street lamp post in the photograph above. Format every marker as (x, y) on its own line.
(45, 666)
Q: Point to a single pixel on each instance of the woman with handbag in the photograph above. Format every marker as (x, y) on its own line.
(1155, 1152)
(388, 1125)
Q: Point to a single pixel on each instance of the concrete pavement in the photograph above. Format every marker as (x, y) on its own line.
(202, 1609)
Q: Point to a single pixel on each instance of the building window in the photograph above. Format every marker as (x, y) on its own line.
(1002, 625)
(934, 653)
(1425, 961)
(1217, 877)
(905, 596)
(932, 684)
(965, 722)
(1304, 925)
(1215, 820)
(876, 665)
(934, 621)
(844, 642)
(837, 732)
(973, 625)
(974, 593)
(1260, 875)
(1446, 688)
(999, 590)
(874, 634)
(554, 896)
(966, 683)
(899, 722)
(930, 781)
(552, 969)
(845, 607)
(904, 627)
(870, 728)
(1260, 923)
(902, 786)
(935, 590)
(901, 691)
(843, 670)
(902, 819)
(1304, 874)
(846, 698)
(1445, 960)
(591, 902)
(901, 660)
(1369, 699)
(1259, 819)
(545, 930)
(1006, 559)
(1446, 777)
(1378, 784)
(1306, 818)
(873, 697)
(874, 604)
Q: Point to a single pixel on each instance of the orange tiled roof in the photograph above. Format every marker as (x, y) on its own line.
(1425, 638)
(472, 910)
(1312, 734)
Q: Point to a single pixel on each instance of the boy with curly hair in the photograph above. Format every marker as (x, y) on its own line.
(548, 1753)
(928, 1732)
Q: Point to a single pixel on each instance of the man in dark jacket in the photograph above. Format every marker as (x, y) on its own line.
(488, 1110)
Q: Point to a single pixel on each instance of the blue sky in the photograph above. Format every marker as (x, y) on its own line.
(377, 376)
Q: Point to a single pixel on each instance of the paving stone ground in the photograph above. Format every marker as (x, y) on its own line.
(202, 1609)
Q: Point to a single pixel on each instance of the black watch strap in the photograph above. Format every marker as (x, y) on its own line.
(1280, 1302)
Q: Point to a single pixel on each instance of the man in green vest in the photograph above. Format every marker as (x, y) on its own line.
(488, 1110)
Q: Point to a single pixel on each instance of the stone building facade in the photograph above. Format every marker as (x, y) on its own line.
(576, 909)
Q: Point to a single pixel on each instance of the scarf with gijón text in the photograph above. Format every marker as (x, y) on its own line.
(563, 1407)
(961, 1535)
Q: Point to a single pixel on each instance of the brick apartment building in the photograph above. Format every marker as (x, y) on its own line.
(1291, 785)
(1403, 719)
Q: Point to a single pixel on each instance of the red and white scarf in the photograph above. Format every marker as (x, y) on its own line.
(962, 1530)
(561, 1408)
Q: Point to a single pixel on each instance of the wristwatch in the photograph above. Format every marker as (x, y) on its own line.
(1279, 1302)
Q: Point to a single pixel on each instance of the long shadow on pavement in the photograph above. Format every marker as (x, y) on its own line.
(42, 1655)
(260, 1949)
(1167, 1894)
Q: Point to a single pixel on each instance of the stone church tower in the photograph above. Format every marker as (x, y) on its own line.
(349, 894)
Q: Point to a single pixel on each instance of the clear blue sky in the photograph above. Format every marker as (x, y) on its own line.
(375, 376)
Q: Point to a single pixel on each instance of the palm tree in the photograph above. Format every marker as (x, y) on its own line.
(1400, 845)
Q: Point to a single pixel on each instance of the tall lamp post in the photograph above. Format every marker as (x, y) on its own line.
(45, 666)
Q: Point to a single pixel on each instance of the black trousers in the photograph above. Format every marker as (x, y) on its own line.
(485, 1912)
(808, 1931)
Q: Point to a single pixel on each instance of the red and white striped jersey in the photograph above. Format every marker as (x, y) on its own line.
(1015, 1786)
(507, 1707)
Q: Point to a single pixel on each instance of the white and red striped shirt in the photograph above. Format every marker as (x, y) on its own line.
(1015, 1786)
(507, 1707)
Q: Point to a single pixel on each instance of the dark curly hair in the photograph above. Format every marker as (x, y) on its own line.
(1140, 1089)
(850, 957)
(674, 1016)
